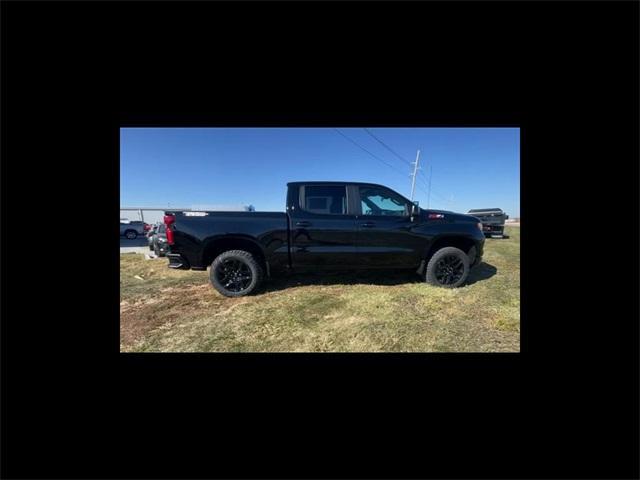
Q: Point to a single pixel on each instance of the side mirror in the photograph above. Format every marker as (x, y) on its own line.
(415, 210)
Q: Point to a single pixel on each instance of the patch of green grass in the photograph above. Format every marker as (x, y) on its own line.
(173, 310)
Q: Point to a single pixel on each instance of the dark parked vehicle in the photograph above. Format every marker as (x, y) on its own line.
(492, 220)
(150, 233)
(158, 239)
(327, 225)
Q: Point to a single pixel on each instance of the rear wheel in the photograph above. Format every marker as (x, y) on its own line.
(448, 268)
(235, 273)
(131, 234)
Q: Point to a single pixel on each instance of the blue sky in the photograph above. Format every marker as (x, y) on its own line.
(472, 167)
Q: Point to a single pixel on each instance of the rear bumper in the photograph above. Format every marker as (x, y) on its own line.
(178, 261)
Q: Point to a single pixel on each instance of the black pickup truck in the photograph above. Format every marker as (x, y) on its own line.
(330, 226)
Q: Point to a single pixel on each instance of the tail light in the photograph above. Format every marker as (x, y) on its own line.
(168, 221)
(436, 215)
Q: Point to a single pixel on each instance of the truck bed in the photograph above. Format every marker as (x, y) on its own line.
(195, 232)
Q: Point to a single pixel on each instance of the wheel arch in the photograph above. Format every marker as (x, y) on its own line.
(462, 242)
(216, 246)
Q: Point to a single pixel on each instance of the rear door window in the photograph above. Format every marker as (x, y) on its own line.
(325, 199)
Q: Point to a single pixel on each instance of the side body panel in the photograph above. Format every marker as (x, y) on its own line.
(320, 240)
(194, 234)
(388, 241)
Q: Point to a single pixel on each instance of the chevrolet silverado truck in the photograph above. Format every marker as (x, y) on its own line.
(492, 220)
(325, 226)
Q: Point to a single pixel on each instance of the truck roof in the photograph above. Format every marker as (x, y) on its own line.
(340, 182)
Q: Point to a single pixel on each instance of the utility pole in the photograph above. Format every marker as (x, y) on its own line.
(429, 194)
(415, 171)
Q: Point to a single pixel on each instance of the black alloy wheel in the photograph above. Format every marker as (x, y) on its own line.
(448, 267)
(234, 275)
(449, 270)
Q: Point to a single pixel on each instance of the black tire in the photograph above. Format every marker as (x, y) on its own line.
(448, 268)
(131, 234)
(156, 250)
(236, 273)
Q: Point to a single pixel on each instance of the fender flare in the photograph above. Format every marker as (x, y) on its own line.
(209, 242)
(428, 251)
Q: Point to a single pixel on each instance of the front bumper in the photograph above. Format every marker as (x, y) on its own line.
(178, 261)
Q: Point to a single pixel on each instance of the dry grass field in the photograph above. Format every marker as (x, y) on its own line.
(164, 310)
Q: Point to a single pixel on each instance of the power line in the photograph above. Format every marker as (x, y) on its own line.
(387, 147)
(374, 156)
(427, 193)
(442, 198)
(435, 192)
(414, 164)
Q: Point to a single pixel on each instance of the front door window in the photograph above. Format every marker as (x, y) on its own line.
(382, 202)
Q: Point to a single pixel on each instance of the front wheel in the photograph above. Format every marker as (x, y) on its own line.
(131, 234)
(235, 273)
(448, 268)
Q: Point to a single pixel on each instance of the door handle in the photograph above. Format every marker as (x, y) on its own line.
(368, 224)
(303, 223)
